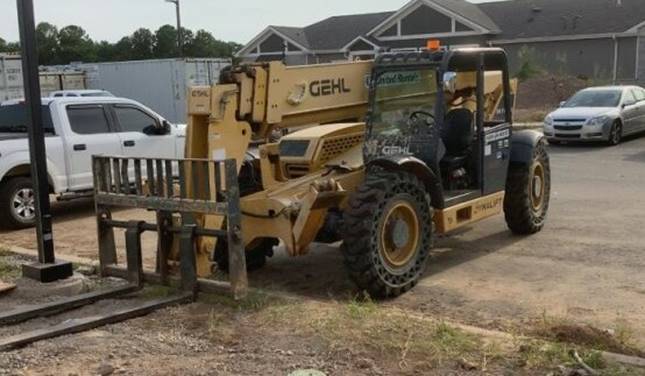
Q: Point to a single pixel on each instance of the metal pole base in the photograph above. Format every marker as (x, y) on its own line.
(46, 273)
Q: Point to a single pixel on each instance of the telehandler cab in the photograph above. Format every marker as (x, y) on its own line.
(437, 153)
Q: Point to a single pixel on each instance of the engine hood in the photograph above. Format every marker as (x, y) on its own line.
(585, 113)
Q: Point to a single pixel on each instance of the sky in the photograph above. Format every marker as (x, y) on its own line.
(237, 21)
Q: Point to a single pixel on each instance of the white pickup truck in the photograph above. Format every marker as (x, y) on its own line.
(75, 129)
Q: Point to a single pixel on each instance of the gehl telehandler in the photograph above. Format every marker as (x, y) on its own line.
(383, 155)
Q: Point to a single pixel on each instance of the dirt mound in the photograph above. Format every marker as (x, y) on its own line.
(545, 92)
(592, 337)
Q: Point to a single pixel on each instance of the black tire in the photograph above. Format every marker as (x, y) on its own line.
(11, 216)
(364, 235)
(525, 208)
(615, 134)
(256, 254)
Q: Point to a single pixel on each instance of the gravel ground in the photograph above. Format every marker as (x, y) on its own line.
(584, 268)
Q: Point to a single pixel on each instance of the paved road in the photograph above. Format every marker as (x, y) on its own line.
(587, 265)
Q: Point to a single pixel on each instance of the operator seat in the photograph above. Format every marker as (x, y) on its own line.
(457, 135)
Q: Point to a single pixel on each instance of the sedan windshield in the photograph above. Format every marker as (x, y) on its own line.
(595, 98)
(399, 94)
(13, 119)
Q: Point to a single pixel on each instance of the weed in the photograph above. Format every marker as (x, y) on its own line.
(8, 270)
(5, 252)
(359, 309)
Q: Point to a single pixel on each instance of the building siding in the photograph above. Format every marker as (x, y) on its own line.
(627, 60)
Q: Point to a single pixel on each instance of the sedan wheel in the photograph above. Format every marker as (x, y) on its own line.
(616, 134)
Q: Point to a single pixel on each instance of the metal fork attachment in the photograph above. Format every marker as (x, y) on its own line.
(177, 190)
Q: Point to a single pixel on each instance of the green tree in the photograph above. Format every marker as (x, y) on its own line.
(142, 44)
(123, 49)
(75, 45)
(166, 42)
(13, 47)
(105, 51)
(47, 40)
(3, 45)
(205, 45)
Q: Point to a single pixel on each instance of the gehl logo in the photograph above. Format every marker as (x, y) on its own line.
(328, 87)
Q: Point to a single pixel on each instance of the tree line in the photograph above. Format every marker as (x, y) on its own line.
(73, 44)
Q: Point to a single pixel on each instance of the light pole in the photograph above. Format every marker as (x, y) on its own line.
(180, 39)
(48, 269)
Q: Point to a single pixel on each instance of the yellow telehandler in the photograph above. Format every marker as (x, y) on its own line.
(383, 155)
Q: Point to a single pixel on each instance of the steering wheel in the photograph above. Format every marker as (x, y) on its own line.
(415, 116)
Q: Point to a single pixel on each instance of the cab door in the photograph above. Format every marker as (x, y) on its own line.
(496, 150)
(91, 134)
(141, 134)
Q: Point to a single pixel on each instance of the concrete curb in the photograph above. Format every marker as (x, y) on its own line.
(629, 360)
(32, 253)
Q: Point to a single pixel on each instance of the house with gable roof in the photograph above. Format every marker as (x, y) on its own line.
(597, 39)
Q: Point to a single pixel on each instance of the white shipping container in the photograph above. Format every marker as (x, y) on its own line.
(10, 78)
(159, 84)
(11, 84)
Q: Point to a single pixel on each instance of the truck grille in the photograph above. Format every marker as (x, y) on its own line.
(333, 147)
(568, 127)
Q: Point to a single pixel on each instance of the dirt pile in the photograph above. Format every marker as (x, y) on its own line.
(547, 91)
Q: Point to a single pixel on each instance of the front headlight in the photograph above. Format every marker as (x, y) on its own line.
(548, 121)
(598, 120)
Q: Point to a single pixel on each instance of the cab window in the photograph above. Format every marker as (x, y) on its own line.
(132, 119)
(88, 119)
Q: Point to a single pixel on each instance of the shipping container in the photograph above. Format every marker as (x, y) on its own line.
(11, 84)
(10, 78)
(159, 84)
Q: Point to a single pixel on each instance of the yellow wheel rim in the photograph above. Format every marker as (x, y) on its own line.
(537, 186)
(399, 234)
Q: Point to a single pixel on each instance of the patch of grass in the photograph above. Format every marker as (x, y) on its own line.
(8, 271)
(156, 292)
(4, 252)
(359, 309)
(362, 325)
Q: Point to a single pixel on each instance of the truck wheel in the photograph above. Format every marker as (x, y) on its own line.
(256, 254)
(17, 204)
(388, 233)
(528, 190)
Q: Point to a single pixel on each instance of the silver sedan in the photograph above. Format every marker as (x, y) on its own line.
(598, 114)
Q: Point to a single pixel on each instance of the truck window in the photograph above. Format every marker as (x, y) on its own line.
(13, 119)
(133, 119)
(88, 119)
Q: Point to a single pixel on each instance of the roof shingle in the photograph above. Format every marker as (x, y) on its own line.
(548, 18)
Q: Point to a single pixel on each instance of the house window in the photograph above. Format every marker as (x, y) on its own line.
(391, 32)
(426, 20)
(272, 44)
(461, 27)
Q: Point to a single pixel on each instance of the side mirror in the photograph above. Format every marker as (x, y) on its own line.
(166, 127)
(562, 103)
